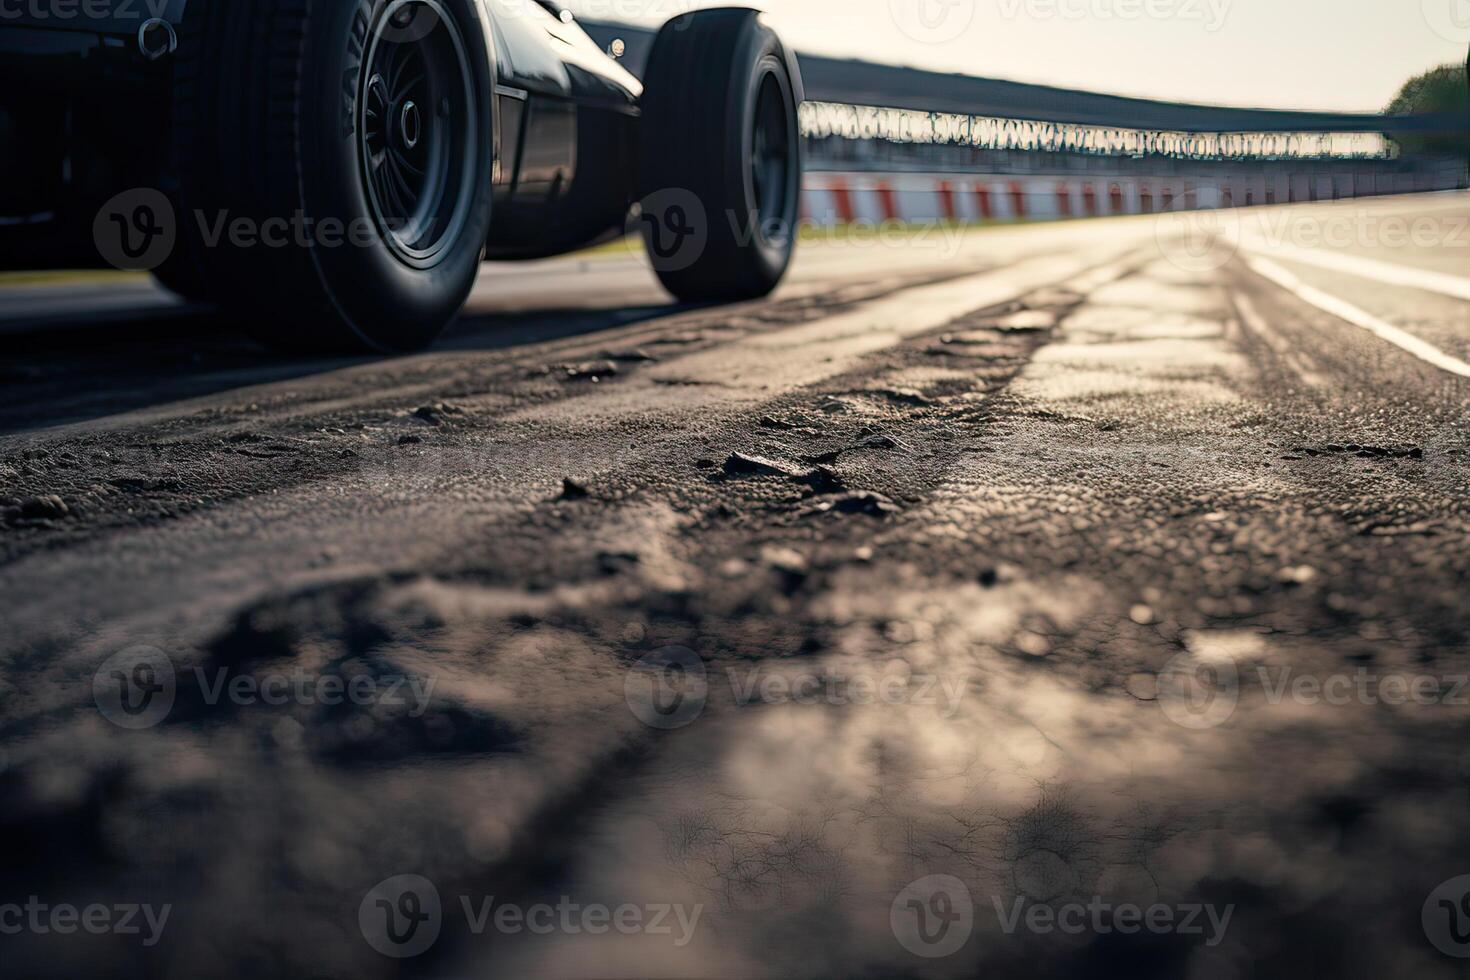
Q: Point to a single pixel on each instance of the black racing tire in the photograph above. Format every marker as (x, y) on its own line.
(281, 158)
(720, 156)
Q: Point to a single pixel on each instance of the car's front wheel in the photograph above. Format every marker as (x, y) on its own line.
(334, 161)
(720, 162)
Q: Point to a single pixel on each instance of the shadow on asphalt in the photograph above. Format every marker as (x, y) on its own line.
(56, 372)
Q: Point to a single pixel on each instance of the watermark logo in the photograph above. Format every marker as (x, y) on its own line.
(401, 916)
(668, 688)
(300, 230)
(135, 688)
(809, 688)
(136, 230)
(933, 916)
(1210, 13)
(932, 21)
(1450, 19)
(139, 229)
(1301, 228)
(1200, 692)
(861, 234)
(1197, 693)
(673, 226)
(1446, 917)
(1363, 687)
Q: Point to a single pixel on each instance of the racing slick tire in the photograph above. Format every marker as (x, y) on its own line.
(334, 161)
(720, 156)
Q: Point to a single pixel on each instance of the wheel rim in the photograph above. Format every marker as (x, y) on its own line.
(418, 130)
(770, 161)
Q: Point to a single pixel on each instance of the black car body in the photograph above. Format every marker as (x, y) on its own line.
(90, 107)
(84, 114)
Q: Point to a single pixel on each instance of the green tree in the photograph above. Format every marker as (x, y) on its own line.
(1442, 89)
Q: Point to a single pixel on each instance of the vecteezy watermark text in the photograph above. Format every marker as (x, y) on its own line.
(137, 687)
(1200, 694)
(64, 919)
(1211, 13)
(402, 916)
(1362, 686)
(766, 686)
(934, 916)
(1360, 227)
(669, 688)
(1101, 917)
(92, 10)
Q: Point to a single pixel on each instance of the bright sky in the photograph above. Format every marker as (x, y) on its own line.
(1348, 55)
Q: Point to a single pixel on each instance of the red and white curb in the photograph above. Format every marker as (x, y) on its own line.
(831, 198)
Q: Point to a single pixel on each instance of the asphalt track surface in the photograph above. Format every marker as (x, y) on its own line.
(1091, 566)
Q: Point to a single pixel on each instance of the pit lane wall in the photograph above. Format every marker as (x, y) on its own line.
(835, 197)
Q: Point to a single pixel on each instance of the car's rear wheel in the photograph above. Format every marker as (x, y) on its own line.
(720, 165)
(334, 160)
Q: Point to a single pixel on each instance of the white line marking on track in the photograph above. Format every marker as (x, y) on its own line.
(1390, 272)
(1360, 318)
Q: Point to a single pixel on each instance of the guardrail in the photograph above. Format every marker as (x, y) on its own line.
(887, 143)
(834, 198)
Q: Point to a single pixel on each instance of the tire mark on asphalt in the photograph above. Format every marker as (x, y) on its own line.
(751, 370)
(115, 473)
(596, 522)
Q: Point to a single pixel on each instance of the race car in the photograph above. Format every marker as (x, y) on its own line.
(333, 172)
